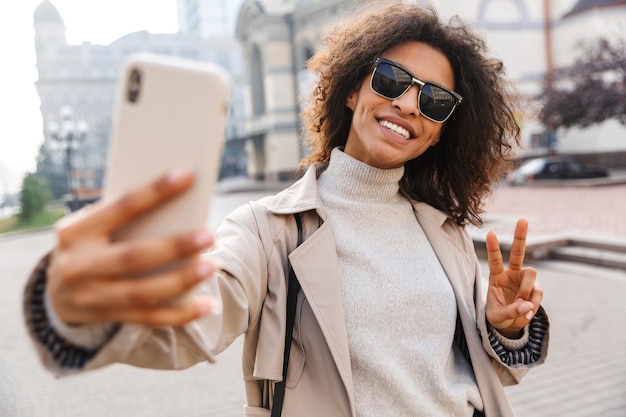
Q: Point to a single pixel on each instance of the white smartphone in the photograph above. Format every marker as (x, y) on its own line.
(170, 113)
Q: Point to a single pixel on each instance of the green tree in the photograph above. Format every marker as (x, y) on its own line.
(590, 91)
(34, 196)
(52, 171)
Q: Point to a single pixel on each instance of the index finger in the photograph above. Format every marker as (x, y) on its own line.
(518, 248)
(106, 217)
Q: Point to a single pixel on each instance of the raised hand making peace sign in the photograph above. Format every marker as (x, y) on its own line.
(514, 294)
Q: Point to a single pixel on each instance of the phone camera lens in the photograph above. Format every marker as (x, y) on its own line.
(134, 86)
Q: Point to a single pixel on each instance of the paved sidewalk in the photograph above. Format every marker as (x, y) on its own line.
(598, 211)
(585, 373)
(584, 376)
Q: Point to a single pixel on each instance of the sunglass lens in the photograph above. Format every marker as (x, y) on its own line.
(390, 81)
(436, 103)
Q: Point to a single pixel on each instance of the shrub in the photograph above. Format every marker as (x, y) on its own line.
(34, 196)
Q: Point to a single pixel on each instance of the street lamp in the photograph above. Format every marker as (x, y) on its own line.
(69, 135)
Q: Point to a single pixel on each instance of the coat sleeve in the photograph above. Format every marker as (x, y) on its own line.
(240, 285)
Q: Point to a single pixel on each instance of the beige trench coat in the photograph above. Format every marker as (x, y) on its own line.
(252, 248)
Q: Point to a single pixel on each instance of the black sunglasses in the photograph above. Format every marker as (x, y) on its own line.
(435, 102)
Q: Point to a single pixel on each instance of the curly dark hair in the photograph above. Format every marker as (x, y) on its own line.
(476, 145)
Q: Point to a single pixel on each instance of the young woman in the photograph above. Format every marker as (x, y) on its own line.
(410, 126)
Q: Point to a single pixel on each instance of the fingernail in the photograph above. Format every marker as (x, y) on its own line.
(204, 269)
(216, 306)
(203, 307)
(202, 238)
(525, 308)
(178, 175)
(208, 305)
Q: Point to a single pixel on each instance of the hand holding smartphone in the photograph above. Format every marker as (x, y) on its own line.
(170, 113)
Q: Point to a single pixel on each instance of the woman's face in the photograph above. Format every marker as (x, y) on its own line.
(374, 136)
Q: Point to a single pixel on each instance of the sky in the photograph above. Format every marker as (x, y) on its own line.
(96, 21)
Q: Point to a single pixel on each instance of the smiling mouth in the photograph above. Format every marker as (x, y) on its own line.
(397, 130)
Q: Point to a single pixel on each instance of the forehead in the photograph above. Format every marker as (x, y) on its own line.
(424, 61)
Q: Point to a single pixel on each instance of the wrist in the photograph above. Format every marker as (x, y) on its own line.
(513, 339)
(510, 333)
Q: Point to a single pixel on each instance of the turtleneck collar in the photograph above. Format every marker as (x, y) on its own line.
(349, 178)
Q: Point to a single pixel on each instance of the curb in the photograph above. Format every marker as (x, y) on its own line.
(19, 233)
(589, 182)
(243, 185)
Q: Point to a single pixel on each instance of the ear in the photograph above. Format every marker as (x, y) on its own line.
(352, 99)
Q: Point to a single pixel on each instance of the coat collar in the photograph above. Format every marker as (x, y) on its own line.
(302, 196)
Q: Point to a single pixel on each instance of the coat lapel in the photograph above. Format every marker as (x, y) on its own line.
(320, 283)
(462, 273)
(319, 280)
(453, 258)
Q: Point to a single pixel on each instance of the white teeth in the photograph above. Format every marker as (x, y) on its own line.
(398, 130)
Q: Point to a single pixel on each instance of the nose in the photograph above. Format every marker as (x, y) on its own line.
(407, 102)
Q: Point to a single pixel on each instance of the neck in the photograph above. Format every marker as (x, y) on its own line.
(349, 178)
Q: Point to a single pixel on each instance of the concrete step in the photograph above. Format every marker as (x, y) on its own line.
(537, 247)
(612, 244)
(606, 251)
(590, 255)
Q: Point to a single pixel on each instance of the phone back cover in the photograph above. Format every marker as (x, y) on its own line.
(177, 121)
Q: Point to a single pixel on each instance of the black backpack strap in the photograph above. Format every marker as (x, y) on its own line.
(293, 289)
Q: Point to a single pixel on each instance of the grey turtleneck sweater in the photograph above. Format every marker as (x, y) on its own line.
(400, 309)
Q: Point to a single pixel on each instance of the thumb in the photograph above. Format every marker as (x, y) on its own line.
(504, 316)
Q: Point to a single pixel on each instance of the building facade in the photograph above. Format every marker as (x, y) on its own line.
(531, 37)
(84, 77)
(267, 63)
(214, 22)
(587, 20)
(208, 18)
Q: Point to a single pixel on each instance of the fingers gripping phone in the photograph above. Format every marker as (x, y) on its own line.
(170, 113)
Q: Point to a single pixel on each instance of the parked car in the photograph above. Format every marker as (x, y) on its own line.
(553, 168)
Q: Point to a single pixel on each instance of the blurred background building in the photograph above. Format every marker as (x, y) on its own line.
(274, 39)
(532, 37)
(77, 84)
(208, 18)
